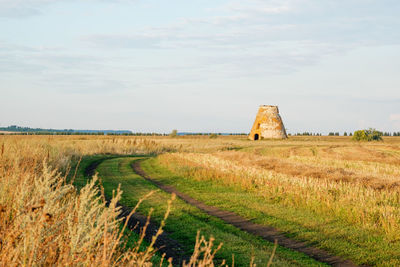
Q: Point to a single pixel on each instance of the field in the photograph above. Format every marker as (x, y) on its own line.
(320, 196)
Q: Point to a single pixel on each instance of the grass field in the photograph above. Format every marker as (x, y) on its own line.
(337, 195)
(330, 192)
(185, 220)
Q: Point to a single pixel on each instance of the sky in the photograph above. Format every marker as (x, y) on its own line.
(200, 65)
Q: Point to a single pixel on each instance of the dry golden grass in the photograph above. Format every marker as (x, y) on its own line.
(44, 221)
(372, 174)
(357, 183)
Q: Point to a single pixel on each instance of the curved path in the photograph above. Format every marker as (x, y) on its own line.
(164, 243)
(266, 232)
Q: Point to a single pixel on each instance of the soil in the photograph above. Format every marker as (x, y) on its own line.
(266, 232)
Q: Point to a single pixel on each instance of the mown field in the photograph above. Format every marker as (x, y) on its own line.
(331, 193)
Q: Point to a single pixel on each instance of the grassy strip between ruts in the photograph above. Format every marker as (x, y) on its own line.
(81, 179)
(185, 220)
(338, 238)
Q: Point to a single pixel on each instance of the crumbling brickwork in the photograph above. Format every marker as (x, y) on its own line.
(268, 124)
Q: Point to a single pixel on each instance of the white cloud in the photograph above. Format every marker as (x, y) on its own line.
(28, 8)
(395, 120)
(22, 8)
(263, 7)
(394, 117)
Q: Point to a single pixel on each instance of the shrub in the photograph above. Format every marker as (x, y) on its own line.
(174, 133)
(213, 136)
(367, 135)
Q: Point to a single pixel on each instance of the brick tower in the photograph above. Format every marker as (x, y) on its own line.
(268, 124)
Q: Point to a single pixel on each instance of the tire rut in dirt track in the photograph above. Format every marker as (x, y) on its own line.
(268, 233)
(164, 243)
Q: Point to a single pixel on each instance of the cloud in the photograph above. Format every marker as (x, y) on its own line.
(302, 25)
(394, 117)
(12, 64)
(22, 8)
(263, 7)
(29, 8)
(135, 41)
(252, 38)
(33, 60)
(21, 12)
(245, 51)
(395, 121)
(56, 68)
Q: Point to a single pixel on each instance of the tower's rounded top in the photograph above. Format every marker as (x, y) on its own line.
(261, 106)
(269, 108)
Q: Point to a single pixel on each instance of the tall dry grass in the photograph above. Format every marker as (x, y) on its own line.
(354, 203)
(44, 221)
(376, 175)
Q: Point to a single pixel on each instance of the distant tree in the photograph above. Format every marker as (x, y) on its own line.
(331, 133)
(345, 134)
(174, 133)
(367, 135)
(212, 136)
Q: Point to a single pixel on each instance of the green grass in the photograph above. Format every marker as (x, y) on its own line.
(185, 220)
(81, 180)
(361, 246)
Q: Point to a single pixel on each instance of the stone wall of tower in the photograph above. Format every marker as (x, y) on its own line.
(268, 124)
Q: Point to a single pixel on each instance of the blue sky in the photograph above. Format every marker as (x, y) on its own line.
(329, 65)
